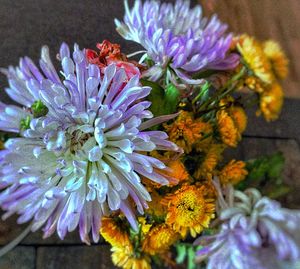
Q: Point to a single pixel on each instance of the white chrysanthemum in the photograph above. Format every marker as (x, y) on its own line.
(82, 147)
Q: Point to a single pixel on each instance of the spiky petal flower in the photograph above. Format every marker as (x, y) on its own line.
(84, 156)
(189, 210)
(256, 233)
(177, 38)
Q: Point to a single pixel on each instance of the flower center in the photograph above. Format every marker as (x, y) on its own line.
(190, 208)
(78, 139)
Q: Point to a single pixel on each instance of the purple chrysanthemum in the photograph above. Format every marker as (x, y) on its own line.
(256, 233)
(82, 144)
(177, 37)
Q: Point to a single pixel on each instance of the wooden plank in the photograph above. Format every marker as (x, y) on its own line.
(288, 125)
(9, 230)
(19, 258)
(74, 257)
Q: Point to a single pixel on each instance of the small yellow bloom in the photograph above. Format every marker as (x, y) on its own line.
(126, 258)
(236, 112)
(277, 58)
(253, 55)
(210, 161)
(255, 84)
(185, 131)
(233, 173)
(177, 170)
(145, 227)
(114, 232)
(271, 101)
(206, 137)
(189, 210)
(240, 118)
(159, 239)
(228, 130)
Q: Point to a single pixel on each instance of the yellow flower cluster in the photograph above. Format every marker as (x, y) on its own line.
(126, 258)
(210, 160)
(204, 130)
(123, 249)
(255, 59)
(160, 239)
(271, 102)
(133, 250)
(266, 63)
(233, 173)
(114, 232)
(232, 123)
(277, 58)
(189, 210)
(187, 132)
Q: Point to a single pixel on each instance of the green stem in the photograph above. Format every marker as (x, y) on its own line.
(230, 86)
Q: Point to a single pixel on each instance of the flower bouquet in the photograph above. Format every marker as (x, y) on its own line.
(130, 148)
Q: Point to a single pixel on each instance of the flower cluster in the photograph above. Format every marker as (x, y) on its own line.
(134, 151)
(266, 65)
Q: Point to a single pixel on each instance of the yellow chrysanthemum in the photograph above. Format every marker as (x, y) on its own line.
(233, 173)
(114, 232)
(210, 161)
(228, 130)
(159, 239)
(236, 112)
(126, 258)
(189, 210)
(277, 58)
(253, 55)
(206, 137)
(185, 131)
(271, 101)
(240, 118)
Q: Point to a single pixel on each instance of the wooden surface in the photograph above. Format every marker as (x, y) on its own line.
(276, 19)
(26, 25)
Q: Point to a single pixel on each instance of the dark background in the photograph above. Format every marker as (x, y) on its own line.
(27, 25)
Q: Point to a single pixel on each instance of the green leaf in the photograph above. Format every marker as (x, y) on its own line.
(203, 94)
(181, 253)
(156, 97)
(163, 101)
(276, 164)
(171, 99)
(279, 191)
(265, 173)
(191, 257)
